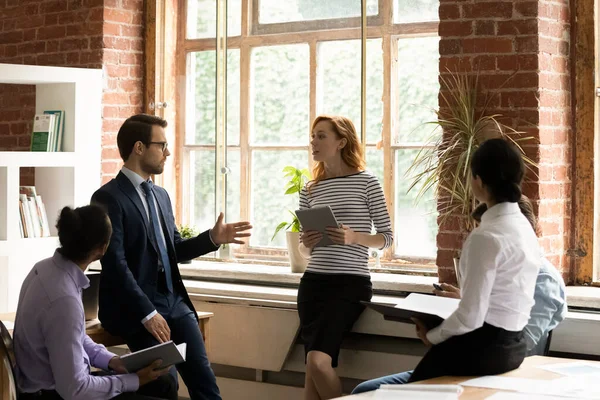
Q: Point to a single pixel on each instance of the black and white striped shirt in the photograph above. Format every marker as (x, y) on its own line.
(357, 201)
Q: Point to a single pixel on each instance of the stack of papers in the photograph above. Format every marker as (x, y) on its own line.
(416, 391)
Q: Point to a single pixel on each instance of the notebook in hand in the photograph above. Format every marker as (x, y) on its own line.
(431, 310)
(318, 219)
(168, 352)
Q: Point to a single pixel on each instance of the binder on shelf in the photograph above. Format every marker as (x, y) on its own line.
(43, 128)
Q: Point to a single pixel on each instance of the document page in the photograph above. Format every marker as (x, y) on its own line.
(436, 305)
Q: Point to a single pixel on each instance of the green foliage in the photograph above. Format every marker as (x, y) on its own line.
(188, 232)
(445, 166)
(298, 178)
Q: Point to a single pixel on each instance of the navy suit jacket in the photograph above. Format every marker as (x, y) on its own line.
(128, 282)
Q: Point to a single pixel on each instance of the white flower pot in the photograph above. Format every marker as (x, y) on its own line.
(297, 262)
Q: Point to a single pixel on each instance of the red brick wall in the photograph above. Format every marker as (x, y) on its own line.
(73, 33)
(123, 63)
(521, 50)
(555, 130)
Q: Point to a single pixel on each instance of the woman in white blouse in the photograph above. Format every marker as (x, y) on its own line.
(498, 268)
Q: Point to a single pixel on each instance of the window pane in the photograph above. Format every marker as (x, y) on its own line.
(416, 10)
(280, 84)
(375, 163)
(202, 190)
(269, 203)
(418, 87)
(202, 18)
(339, 81)
(233, 185)
(415, 224)
(273, 11)
(233, 97)
(200, 114)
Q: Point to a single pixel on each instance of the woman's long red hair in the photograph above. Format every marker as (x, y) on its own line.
(352, 153)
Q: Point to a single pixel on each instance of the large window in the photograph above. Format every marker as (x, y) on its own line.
(287, 62)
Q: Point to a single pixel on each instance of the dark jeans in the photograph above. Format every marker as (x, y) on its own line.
(195, 371)
(165, 387)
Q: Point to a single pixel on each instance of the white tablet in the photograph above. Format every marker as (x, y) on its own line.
(318, 219)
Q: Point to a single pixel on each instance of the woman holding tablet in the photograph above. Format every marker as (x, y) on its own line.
(337, 277)
(498, 266)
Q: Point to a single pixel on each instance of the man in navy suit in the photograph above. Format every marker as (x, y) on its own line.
(142, 296)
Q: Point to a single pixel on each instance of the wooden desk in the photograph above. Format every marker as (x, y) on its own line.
(527, 370)
(95, 331)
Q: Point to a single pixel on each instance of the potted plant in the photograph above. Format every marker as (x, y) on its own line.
(443, 165)
(187, 232)
(297, 180)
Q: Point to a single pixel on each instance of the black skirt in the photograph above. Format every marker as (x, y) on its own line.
(488, 350)
(328, 306)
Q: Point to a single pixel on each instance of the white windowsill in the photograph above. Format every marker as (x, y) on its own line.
(274, 275)
(251, 276)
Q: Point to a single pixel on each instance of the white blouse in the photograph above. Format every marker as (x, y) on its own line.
(498, 268)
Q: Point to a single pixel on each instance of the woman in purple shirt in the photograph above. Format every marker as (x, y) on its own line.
(54, 355)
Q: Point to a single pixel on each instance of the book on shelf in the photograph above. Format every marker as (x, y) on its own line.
(33, 213)
(43, 128)
(59, 129)
(48, 131)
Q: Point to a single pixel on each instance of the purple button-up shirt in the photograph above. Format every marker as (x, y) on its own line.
(51, 347)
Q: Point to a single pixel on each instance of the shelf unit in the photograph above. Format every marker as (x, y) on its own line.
(66, 178)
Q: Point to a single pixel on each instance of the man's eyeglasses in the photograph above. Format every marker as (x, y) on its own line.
(164, 145)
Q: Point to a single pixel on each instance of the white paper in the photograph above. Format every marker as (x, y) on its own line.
(521, 396)
(581, 387)
(573, 368)
(523, 385)
(455, 389)
(436, 305)
(182, 347)
(384, 394)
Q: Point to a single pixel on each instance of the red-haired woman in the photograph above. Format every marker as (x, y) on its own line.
(337, 277)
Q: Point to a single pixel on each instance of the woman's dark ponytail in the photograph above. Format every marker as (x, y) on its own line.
(82, 230)
(500, 166)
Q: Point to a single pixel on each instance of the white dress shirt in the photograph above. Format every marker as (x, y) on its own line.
(498, 268)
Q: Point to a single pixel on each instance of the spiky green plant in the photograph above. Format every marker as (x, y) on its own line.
(298, 178)
(444, 163)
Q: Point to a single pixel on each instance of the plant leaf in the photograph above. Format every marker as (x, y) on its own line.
(280, 227)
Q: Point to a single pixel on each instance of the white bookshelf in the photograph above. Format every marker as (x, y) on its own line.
(62, 178)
